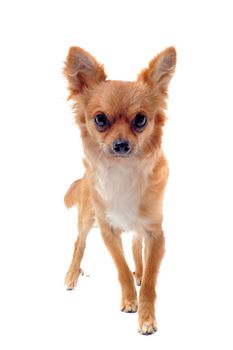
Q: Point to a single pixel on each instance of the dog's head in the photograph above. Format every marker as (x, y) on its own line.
(117, 118)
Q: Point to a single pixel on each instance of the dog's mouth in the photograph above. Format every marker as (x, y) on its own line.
(114, 155)
(110, 153)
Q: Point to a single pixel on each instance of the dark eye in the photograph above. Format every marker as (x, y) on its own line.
(101, 122)
(139, 122)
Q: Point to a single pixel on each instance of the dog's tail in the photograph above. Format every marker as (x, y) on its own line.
(73, 194)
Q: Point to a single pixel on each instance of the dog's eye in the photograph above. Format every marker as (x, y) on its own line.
(139, 122)
(101, 121)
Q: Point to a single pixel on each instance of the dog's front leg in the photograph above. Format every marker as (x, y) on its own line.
(112, 239)
(154, 251)
(85, 222)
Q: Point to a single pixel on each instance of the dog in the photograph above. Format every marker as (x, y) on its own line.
(121, 126)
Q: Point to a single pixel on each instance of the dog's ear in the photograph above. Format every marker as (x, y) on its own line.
(160, 70)
(82, 71)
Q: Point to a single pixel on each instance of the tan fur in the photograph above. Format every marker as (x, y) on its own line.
(72, 196)
(122, 192)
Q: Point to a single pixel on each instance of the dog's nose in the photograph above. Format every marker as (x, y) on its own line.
(121, 146)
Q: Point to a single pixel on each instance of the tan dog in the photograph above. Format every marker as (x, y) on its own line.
(126, 171)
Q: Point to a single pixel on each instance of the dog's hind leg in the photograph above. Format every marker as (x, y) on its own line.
(112, 239)
(137, 256)
(85, 222)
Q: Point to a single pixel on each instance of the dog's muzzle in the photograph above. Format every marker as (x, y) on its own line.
(121, 147)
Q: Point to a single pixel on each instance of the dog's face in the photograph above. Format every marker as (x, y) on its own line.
(120, 119)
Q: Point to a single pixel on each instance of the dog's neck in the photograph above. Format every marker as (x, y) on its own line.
(121, 183)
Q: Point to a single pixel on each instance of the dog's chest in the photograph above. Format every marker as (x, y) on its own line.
(121, 187)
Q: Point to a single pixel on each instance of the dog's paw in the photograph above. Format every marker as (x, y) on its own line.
(147, 321)
(147, 328)
(71, 279)
(138, 279)
(129, 306)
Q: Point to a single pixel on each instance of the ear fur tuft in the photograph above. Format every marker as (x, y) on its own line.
(160, 70)
(82, 70)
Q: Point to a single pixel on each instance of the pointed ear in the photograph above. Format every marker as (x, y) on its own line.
(160, 69)
(82, 71)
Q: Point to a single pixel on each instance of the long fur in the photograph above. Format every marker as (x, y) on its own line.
(122, 191)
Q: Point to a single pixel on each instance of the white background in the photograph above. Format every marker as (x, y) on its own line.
(41, 155)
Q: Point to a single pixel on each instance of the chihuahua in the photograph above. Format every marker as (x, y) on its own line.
(125, 171)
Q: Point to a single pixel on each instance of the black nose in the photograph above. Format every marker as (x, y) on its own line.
(121, 146)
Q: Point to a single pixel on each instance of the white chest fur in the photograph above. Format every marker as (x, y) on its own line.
(121, 185)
